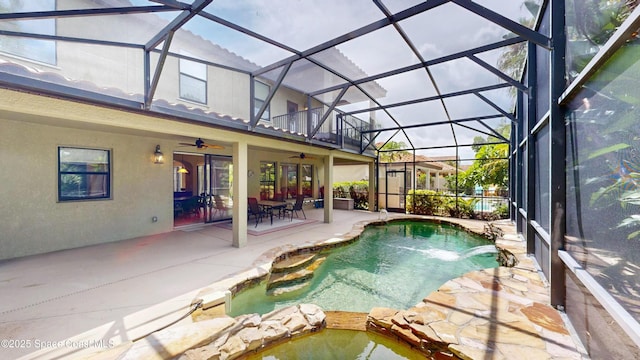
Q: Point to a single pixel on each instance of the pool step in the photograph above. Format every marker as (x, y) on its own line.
(288, 289)
(293, 263)
(285, 282)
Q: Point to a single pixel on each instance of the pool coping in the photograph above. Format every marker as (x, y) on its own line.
(261, 268)
(463, 339)
(445, 322)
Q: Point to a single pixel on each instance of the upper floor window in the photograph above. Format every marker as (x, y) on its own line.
(33, 49)
(83, 174)
(193, 81)
(261, 93)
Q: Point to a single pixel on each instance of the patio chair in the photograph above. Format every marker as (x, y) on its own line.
(219, 206)
(296, 207)
(256, 210)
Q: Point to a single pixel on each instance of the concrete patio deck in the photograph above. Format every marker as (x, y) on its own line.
(76, 302)
(129, 288)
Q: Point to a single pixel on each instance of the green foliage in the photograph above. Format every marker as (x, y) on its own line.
(429, 202)
(425, 202)
(501, 212)
(465, 207)
(490, 167)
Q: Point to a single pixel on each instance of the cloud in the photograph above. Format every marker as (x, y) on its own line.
(444, 30)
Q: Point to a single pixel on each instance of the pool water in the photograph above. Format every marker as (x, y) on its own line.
(394, 265)
(339, 344)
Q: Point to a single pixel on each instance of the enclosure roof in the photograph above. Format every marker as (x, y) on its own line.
(426, 73)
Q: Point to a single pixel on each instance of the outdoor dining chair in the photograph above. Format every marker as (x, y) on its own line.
(296, 207)
(256, 210)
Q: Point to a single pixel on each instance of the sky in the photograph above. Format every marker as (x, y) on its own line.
(302, 24)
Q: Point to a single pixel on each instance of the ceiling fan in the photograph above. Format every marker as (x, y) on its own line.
(200, 144)
(301, 156)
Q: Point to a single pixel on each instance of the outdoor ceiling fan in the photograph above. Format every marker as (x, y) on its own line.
(301, 156)
(200, 144)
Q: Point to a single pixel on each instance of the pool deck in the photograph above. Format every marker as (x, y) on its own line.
(79, 302)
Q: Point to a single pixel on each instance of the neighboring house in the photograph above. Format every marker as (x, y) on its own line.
(75, 122)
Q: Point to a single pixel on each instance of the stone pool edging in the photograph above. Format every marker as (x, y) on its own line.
(224, 337)
(452, 322)
(500, 313)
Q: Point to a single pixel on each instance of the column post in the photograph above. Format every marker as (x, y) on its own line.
(328, 189)
(240, 182)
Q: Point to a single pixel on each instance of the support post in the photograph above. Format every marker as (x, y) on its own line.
(558, 154)
(240, 182)
(328, 189)
(372, 186)
(529, 160)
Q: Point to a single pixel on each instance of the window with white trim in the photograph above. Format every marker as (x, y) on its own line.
(261, 93)
(193, 81)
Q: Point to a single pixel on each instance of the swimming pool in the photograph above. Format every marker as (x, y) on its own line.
(393, 265)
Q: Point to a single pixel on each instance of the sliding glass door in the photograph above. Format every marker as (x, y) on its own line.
(217, 181)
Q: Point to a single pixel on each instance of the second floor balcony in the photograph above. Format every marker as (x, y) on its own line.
(342, 130)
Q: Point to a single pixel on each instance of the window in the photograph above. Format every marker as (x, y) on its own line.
(83, 174)
(193, 81)
(34, 49)
(260, 96)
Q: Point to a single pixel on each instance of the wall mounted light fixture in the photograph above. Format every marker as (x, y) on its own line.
(158, 156)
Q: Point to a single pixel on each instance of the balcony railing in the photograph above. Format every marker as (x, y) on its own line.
(342, 130)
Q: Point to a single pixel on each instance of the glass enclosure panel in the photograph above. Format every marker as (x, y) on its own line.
(589, 25)
(543, 184)
(542, 255)
(543, 59)
(598, 331)
(603, 172)
(33, 49)
(107, 70)
(289, 22)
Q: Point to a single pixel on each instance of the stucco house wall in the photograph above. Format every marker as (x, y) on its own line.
(33, 219)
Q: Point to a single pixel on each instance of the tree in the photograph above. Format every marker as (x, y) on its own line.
(490, 166)
(391, 156)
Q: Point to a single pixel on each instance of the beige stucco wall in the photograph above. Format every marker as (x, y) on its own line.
(34, 126)
(350, 172)
(33, 221)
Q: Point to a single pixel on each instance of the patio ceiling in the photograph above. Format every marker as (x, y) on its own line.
(425, 72)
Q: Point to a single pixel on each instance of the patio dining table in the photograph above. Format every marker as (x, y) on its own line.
(269, 206)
